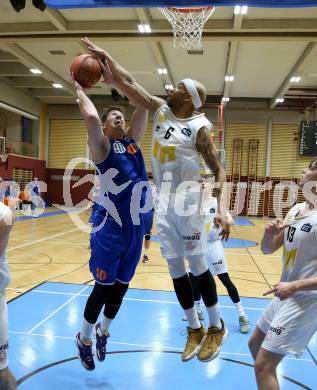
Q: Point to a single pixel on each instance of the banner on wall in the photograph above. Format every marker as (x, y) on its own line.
(178, 3)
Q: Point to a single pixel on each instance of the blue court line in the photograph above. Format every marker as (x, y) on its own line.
(44, 215)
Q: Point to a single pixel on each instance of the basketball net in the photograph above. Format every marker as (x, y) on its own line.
(188, 24)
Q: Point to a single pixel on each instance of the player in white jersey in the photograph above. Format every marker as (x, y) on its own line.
(181, 135)
(290, 320)
(7, 380)
(217, 263)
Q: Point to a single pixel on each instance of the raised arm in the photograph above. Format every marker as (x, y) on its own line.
(99, 144)
(273, 237)
(138, 123)
(207, 149)
(122, 79)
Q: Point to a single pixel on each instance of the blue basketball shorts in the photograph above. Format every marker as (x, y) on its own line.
(116, 251)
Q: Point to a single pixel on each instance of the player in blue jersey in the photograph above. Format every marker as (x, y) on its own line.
(117, 235)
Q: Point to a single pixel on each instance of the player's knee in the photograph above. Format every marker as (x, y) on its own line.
(183, 291)
(176, 267)
(197, 264)
(262, 366)
(207, 287)
(114, 301)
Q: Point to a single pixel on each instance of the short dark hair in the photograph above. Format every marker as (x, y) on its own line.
(109, 109)
(313, 164)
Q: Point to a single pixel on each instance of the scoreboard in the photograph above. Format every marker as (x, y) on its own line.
(308, 138)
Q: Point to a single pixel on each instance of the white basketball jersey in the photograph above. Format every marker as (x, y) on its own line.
(300, 247)
(173, 149)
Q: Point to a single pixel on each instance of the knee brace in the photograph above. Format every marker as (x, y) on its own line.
(195, 287)
(184, 292)
(114, 300)
(207, 287)
(197, 264)
(176, 267)
(95, 302)
(147, 237)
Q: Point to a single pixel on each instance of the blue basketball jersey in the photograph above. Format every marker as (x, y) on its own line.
(125, 157)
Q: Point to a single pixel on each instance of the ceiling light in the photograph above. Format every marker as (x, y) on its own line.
(279, 100)
(168, 87)
(225, 99)
(240, 10)
(35, 71)
(144, 28)
(229, 78)
(56, 85)
(162, 71)
(295, 79)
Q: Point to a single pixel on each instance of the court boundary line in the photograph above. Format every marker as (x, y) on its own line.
(40, 240)
(164, 291)
(135, 299)
(153, 348)
(55, 311)
(29, 375)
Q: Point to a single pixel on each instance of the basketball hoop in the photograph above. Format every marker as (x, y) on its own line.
(3, 157)
(188, 24)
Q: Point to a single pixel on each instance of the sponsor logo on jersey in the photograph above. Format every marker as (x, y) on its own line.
(186, 132)
(132, 148)
(217, 263)
(118, 147)
(212, 210)
(162, 117)
(307, 227)
(189, 245)
(195, 236)
(157, 128)
(278, 330)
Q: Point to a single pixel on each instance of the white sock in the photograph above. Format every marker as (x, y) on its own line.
(198, 306)
(240, 309)
(192, 318)
(105, 324)
(86, 330)
(214, 316)
(146, 252)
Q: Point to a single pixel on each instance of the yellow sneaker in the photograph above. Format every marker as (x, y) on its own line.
(195, 339)
(211, 347)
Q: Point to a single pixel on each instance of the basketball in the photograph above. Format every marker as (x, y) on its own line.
(86, 70)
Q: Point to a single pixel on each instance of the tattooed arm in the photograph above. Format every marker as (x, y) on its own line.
(207, 149)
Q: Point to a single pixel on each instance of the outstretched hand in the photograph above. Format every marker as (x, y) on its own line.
(275, 227)
(282, 290)
(107, 75)
(76, 85)
(94, 50)
(223, 221)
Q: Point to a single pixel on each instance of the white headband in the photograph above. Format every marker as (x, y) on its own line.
(190, 86)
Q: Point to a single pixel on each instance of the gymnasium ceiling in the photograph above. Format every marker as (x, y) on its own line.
(262, 49)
